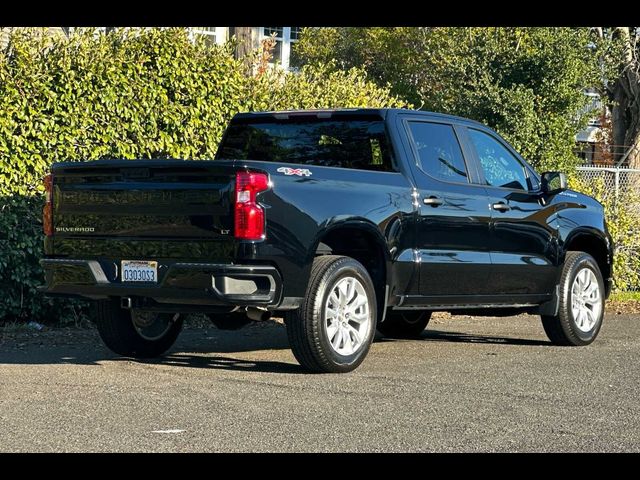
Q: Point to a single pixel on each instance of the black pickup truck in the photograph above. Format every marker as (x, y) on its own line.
(344, 221)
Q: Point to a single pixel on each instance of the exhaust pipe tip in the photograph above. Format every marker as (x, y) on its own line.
(258, 314)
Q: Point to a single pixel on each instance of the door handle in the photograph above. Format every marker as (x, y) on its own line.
(501, 207)
(433, 201)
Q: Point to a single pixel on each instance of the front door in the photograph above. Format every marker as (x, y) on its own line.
(452, 228)
(523, 246)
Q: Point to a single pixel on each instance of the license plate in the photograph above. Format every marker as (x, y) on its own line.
(139, 271)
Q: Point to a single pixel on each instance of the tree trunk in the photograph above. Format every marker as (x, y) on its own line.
(244, 48)
(625, 94)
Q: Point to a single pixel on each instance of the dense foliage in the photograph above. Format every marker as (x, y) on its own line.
(527, 83)
(622, 212)
(136, 94)
(155, 94)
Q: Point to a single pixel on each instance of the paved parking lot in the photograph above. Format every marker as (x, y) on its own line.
(469, 384)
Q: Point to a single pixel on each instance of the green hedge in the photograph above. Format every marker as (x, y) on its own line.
(622, 212)
(129, 94)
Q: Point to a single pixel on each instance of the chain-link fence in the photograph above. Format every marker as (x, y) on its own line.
(616, 180)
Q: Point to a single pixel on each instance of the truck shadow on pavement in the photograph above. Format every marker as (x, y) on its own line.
(195, 348)
(202, 349)
(179, 359)
(442, 336)
(208, 349)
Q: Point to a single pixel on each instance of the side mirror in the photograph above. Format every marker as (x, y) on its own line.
(554, 182)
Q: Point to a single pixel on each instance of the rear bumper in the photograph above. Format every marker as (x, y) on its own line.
(182, 283)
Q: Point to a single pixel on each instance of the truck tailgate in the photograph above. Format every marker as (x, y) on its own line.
(144, 209)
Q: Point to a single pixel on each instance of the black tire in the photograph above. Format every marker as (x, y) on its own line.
(563, 329)
(117, 330)
(229, 321)
(404, 324)
(306, 325)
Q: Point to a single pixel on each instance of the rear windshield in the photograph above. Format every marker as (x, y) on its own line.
(360, 144)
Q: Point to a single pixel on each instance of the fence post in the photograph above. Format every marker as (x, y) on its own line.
(617, 172)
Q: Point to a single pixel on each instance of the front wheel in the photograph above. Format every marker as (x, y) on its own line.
(581, 308)
(137, 334)
(333, 328)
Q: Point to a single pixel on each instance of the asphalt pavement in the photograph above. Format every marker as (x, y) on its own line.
(469, 384)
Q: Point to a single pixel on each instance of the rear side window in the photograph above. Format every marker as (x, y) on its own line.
(439, 152)
(360, 144)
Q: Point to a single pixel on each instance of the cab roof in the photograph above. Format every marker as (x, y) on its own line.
(345, 112)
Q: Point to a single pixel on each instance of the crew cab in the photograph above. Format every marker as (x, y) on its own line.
(341, 221)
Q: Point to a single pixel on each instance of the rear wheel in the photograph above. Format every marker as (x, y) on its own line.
(133, 333)
(581, 308)
(333, 328)
(404, 324)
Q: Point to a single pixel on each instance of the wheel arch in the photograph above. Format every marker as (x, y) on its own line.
(594, 244)
(363, 241)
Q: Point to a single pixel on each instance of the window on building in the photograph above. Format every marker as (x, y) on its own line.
(278, 34)
(211, 35)
(593, 107)
(294, 58)
(285, 38)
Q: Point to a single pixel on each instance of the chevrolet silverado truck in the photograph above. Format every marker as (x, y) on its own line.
(341, 221)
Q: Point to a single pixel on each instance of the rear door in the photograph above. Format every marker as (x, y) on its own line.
(523, 246)
(453, 221)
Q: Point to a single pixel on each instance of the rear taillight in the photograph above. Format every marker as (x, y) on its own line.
(249, 216)
(47, 211)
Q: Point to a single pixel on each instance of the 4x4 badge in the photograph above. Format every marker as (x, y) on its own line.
(301, 172)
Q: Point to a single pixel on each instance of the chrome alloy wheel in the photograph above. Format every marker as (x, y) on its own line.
(586, 300)
(347, 316)
(152, 325)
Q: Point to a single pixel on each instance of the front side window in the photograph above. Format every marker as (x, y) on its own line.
(360, 144)
(500, 167)
(439, 152)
